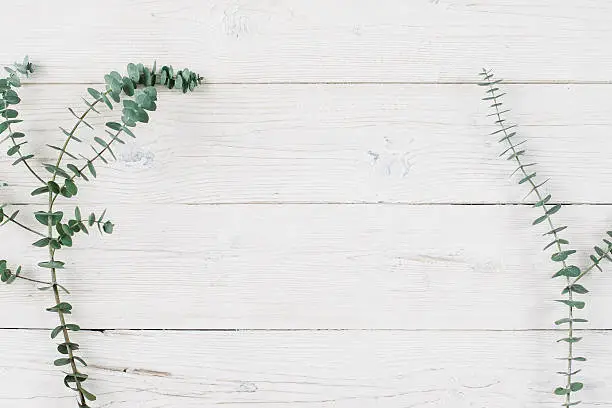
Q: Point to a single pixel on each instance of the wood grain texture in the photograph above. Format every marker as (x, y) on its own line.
(313, 369)
(313, 266)
(317, 40)
(335, 143)
(332, 189)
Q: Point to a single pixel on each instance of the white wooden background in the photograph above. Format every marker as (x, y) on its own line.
(325, 223)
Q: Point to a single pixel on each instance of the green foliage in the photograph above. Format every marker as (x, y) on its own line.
(137, 95)
(571, 273)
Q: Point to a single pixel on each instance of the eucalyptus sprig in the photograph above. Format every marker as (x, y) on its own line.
(138, 95)
(515, 152)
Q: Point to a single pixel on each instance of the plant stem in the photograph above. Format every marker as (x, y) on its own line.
(25, 162)
(534, 187)
(593, 265)
(26, 227)
(101, 151)
(34, 280)
(71, 134)
(56, 294)
(62, 319)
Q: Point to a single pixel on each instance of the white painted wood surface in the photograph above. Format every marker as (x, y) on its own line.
(342, 232)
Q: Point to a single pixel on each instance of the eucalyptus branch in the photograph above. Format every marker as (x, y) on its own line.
(508, 133)
(10, 97)
(596, 259)
(138, 94)
(71, 135)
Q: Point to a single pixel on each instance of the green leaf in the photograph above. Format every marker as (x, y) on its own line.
(91, 168)
(92, 219)
(10, 113)
(579, 359)
(44, 217)
(108, 227)
(63, 347)
(52, 264)
(107, 101)
(540, 219)
(88, 394)
(56, 331)
(562, 321)
(23, 159)
(100, 141)
(562, 256)
(71, 187)
(42, 242)
(572, 303)
(14, 276)
(11, 97)
(93, 92)
(151, 91)
(74, 169)
(147, 76)
(61, 362)
(114, 125)
(13, 149)
(576, 288)
(576, 386)
(67, 153)
(63, 307)
(555, 231)
(552, 210)
(567, 320)
(556, 241)
(543, 201)
(561, 391)
(73, 327)
(570, 339)
(66, 240)
(53, 187)
(570, 271)
(40, 190)
(55, 170)
(128, 86)
(133, 72)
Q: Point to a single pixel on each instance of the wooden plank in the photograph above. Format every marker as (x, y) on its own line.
(321, 369)
(313, 266)
(267, 40)
(336, 143)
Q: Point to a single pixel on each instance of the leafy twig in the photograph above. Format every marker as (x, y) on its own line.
(139, 96)
(508, 133)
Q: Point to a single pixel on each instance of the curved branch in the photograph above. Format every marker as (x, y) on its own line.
(530, 178)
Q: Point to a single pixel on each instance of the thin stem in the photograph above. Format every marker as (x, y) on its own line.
(607, 252)
(35, 280)
(71, 134)
(52, 198)
(97, 156)
(100, 153)
(25, 162)
(62, 319)
(26, 227)
(535, 189)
